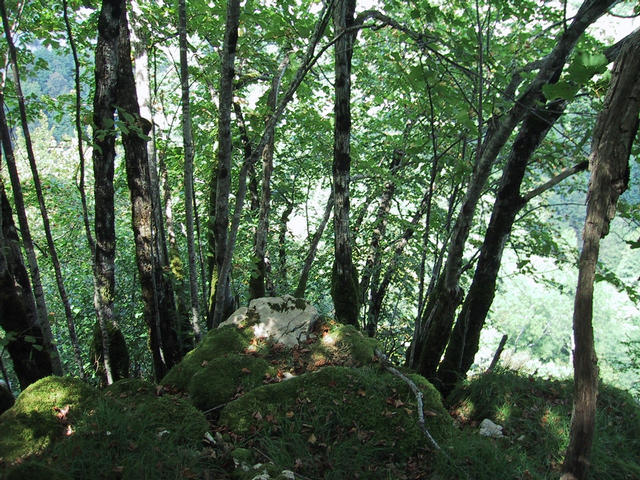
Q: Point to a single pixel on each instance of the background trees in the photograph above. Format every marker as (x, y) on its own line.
(457, 117)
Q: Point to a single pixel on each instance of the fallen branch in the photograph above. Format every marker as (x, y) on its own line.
(386, 363)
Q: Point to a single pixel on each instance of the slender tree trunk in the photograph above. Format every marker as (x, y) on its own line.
(439, 313)
(30, 357)
(344, 282)
(187, 139)
(106, 78)
(258, 281)
(309, 60)
(79, 130)
(374, 257)
(157, 293)
(222, 183)
(37, 285)
(313, 248)
(464, 339)
(613, 136)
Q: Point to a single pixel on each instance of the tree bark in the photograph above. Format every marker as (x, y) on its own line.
(374, 257)
(187, 139)
(439, 314)
(313, 248)
(258, 277)
(344, 281)
(465, 336)
(18, 315)
(222, 183)
(106, 80)
(613, 136)
(39, 293)
(157, 292)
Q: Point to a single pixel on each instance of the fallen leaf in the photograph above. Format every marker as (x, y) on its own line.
(429, 413)
(312, 439)
(289, 414)
(69, 431)
(398, 403)
(61, 413)
(245, 370)
(362, 393)
(204, 363)
(257, 416)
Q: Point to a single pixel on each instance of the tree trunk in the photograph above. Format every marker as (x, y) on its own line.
(439, 314)
(106, 79)
(463, 343)
(222, 184)
(35, 272)
(258, 278)
(374, 257)
(613, 137)
(313, 248)
(18, 316)
(187, 138)
(79, 130)
(344, 281)
(157, 293)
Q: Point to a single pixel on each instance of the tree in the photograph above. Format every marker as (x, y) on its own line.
(613, 136)
(18, 315)
(157, 291)
(344, 281)
(187, 137)
(106, 78)
(221, 188)
(438, 317)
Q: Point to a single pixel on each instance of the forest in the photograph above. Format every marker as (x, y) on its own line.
(450, 188)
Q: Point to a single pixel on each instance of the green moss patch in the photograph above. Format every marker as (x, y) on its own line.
(41, 415)
(127, 432)
(225, 377)
(217, 343)
(345, 420)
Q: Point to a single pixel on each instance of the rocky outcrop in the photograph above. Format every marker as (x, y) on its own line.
(287, 320)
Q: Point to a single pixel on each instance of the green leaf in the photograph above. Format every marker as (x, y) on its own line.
(30, 339)
(562, 89)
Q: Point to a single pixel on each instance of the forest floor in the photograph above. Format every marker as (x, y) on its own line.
(326, 409)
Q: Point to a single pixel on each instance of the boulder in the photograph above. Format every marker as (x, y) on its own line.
(490, 429)
(287, 320)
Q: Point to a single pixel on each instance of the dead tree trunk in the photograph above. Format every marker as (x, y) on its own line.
(613, 137)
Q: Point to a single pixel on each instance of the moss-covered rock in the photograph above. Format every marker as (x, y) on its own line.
(217, 343)
(342, 345)
(326, 417)
(40, 415)
(222, 378)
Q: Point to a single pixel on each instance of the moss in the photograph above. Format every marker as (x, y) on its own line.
(118, 353)
(36, 471)
(131, 436)
(217, 343)
(131, 387)
(343, 345)
(222, 378)
(334, 412)
(31, 424)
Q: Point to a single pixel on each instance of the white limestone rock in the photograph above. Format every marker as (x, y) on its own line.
(287, 320)
(490, 429)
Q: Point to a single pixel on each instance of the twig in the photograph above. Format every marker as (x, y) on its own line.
(416, 391)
